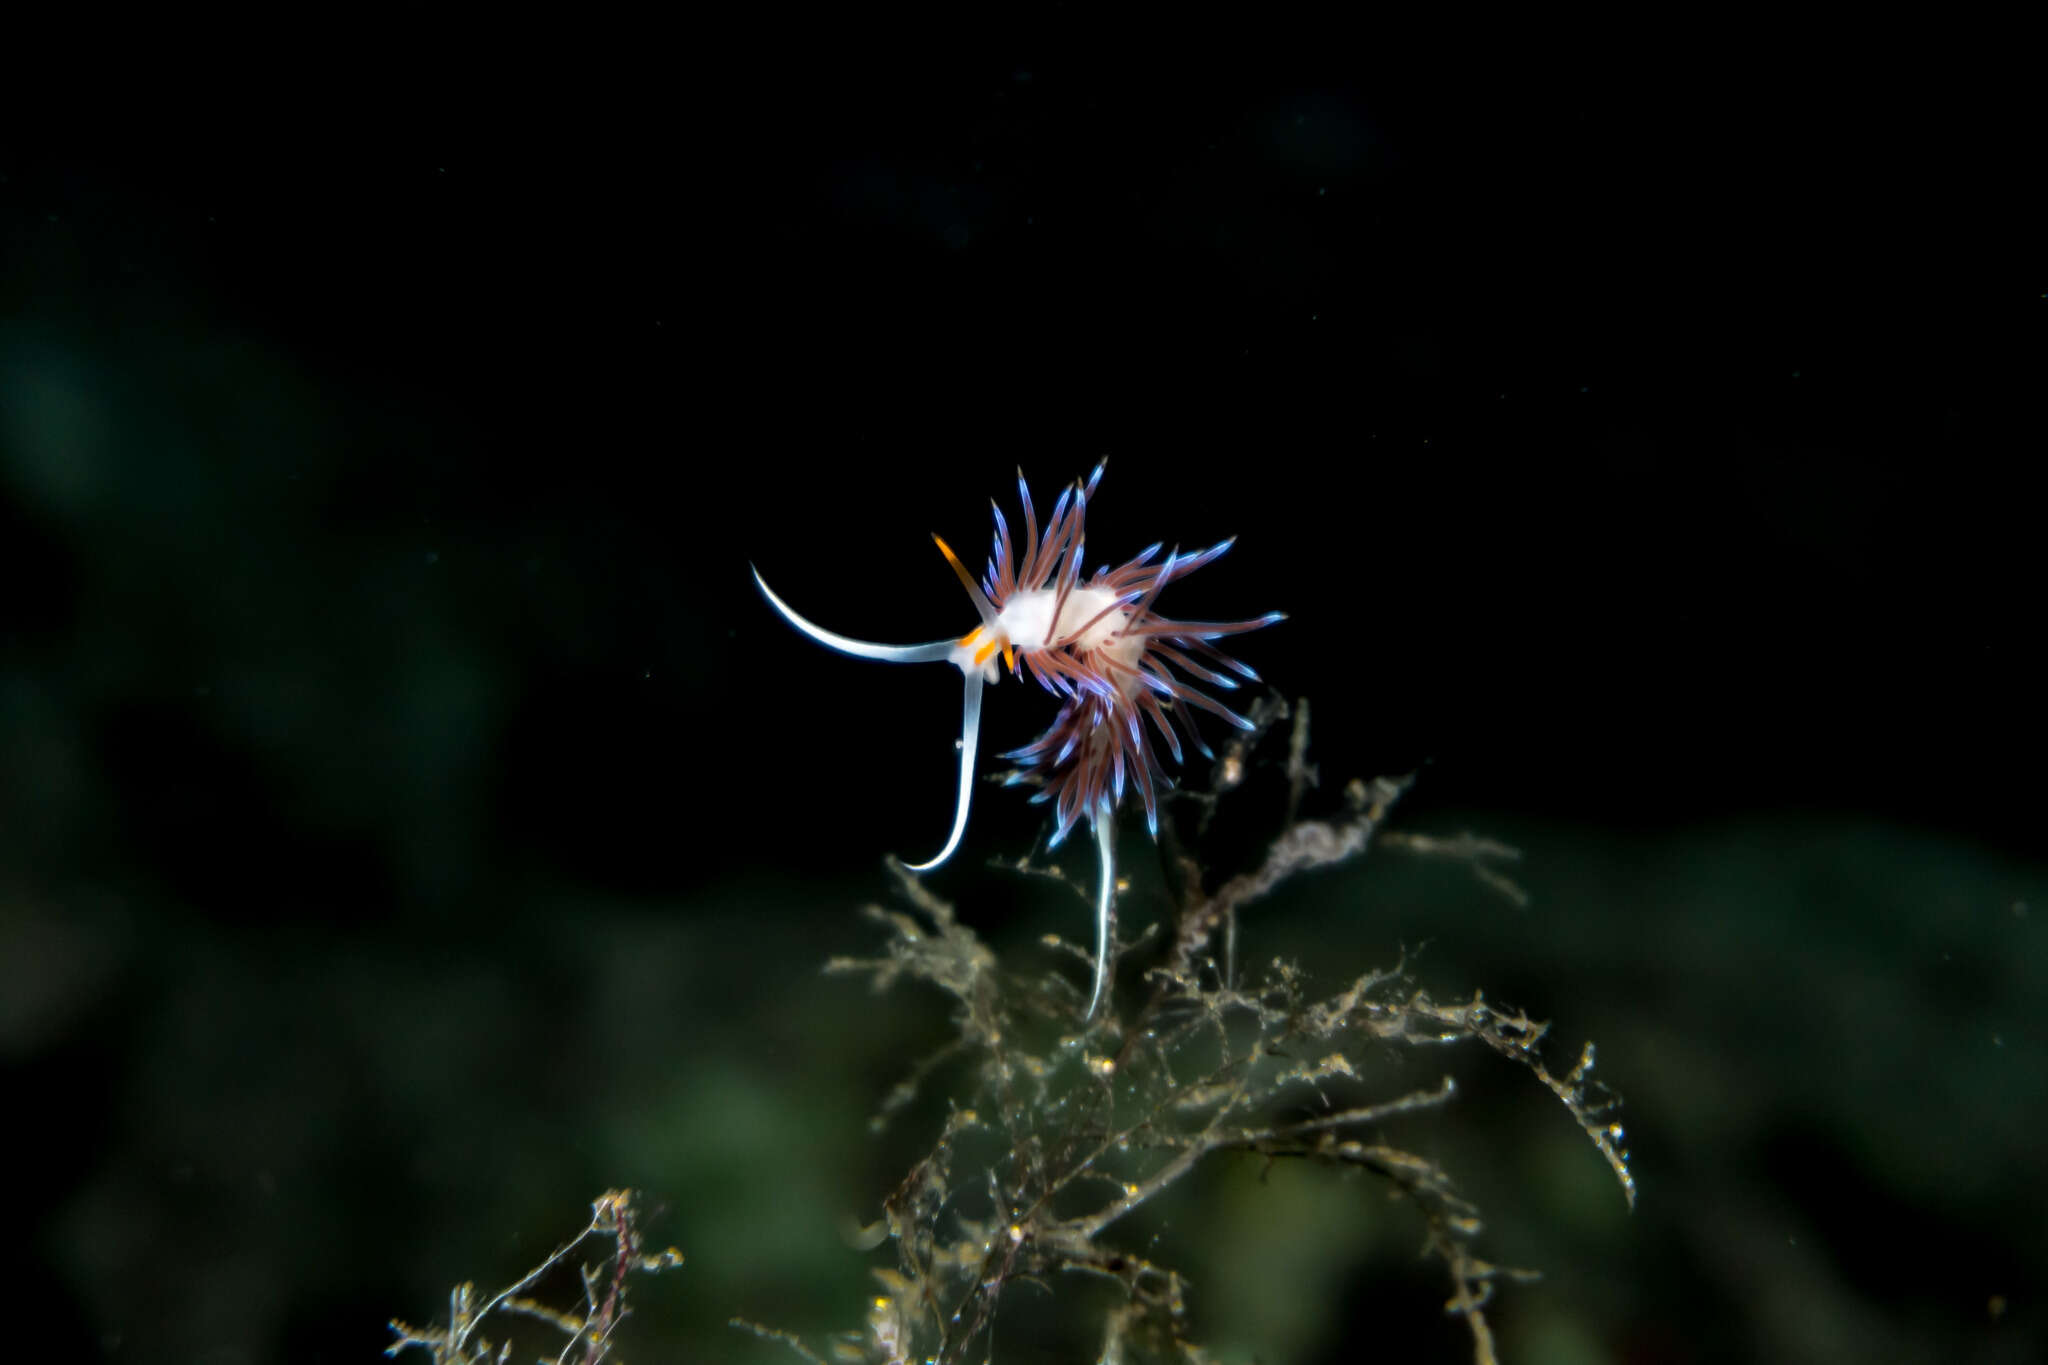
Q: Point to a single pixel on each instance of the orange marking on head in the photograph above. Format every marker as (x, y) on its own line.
(1010, 656)
(981, 655)
(968, 638)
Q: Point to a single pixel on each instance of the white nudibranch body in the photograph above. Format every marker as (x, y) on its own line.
(1098, 647)
(1034, 620)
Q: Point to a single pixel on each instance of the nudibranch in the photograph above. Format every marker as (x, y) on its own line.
(1103, 651)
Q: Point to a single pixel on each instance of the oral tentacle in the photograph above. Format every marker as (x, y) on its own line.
(934, 652)
(970, 734)
(1105, 905)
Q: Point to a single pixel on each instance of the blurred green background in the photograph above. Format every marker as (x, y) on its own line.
(413, 825)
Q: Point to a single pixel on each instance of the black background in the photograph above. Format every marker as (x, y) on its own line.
(1640, 449)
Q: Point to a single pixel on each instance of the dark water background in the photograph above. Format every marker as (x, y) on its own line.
(412, 823)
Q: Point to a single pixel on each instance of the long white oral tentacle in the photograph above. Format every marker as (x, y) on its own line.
(935, 652)
(1105, 906)
(970, 733)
